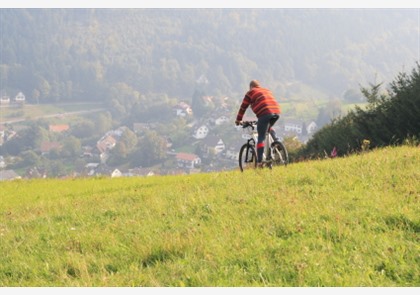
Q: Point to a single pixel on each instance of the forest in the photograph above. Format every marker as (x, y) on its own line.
(57, 55)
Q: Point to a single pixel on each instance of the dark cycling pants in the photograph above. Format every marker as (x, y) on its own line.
(262, 125)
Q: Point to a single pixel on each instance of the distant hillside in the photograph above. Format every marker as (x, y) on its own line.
(343, 222)
(85, 54)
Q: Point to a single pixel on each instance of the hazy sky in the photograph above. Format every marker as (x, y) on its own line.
(211, 4)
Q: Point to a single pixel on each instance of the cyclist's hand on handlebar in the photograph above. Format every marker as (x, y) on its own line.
(238, 123)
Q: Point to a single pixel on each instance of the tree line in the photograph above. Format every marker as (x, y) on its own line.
(391, 118)
(58, 55)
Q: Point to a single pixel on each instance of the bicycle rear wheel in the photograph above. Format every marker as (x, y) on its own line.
(280, 154)
(247, 157)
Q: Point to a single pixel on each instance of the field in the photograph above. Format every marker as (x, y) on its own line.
(15, 114)
(343, 222)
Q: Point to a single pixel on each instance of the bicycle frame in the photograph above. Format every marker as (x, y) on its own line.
(268, 142)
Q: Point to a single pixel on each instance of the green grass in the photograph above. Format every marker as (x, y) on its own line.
(339, 222)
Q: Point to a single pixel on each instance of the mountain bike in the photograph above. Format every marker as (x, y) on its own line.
(275, 152)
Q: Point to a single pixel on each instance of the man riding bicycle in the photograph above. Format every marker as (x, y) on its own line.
(267, 110)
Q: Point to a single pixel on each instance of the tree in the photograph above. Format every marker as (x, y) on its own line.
(388, 119)
(151, 150)
(85, 129)
(373, 95)
(177, 131)
(129, 139)
(71, 147)
(30, 158)
(35, 95)
(103, 122)
(27, 139)
(353, 96)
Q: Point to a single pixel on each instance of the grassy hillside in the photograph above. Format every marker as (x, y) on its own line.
(338, 222)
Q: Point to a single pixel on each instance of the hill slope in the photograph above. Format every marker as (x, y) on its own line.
(342, 222)
(87, 54)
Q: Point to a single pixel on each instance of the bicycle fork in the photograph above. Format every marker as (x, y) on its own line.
(268, 153)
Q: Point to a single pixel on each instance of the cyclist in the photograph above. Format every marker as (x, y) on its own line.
(265, 107)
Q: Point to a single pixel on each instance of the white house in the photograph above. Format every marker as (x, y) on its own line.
(311, 128)
(201, 132)
(221, 120)
(106, 143)
(293, 127)
(233, 151)
(116, 173)
(2, 162)
(91, 168)
(182, 109)
(140, 172)
(9, 175)
(4, 99)
(20, 98)
(214, 143)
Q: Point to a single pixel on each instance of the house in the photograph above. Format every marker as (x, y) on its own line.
(87, 152)
(140, 172)
(2, 134)
(182, 109)
(201, 132)
(311, 128)
(92, 165)
(106, 143)
(169, 142)
(2, 162)
(36, 172)
(48, 146)
(7, 134)
(221, 120)
(233, 151)
(185, 160)
(116, 173)
(202, 80)
(96, 169)
(117, 133)
(58, 128)
(213, 144)
(293, 126)
(8, 175)
(4, 99)
(104, 157)
(20, 98)
(138, 128)
(90, 168)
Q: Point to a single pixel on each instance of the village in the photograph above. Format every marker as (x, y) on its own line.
(212, 144)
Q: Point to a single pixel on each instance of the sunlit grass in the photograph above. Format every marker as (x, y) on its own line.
(339, 222)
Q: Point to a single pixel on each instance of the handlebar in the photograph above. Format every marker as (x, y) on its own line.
(245, 124)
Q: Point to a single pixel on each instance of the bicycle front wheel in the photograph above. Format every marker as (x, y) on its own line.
(247, 157)
(280, 154)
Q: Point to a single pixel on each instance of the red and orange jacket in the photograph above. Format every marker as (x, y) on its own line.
(262, 103)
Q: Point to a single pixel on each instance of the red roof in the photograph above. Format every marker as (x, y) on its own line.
(186, 157)
(59, 128)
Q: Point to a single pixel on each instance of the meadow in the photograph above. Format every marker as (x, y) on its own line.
(342, 222)
(36, 111)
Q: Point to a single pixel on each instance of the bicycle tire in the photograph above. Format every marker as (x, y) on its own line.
(280, 154)
(247, 157)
